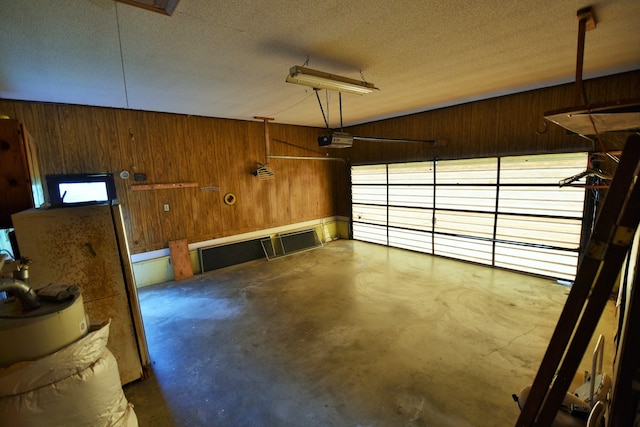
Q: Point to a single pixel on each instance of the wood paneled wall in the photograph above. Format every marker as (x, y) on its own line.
(171, 148)
(507, 125)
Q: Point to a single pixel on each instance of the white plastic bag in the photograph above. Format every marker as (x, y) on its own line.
(77, 385)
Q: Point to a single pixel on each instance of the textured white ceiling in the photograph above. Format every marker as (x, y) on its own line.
(230, 58)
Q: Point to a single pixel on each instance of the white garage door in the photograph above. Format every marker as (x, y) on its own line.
(507, 212)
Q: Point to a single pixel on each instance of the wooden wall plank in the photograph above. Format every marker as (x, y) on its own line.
(205, 208)
(224, 153)
(7, 109)
(15, 181)
(505, 125)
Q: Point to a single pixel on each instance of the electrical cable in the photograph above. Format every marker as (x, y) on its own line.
(124, 74)
(294, 105)
(8, 253)
(340, 99)
(595, 128)
(327, 100)
(326, 122)
(299, 146)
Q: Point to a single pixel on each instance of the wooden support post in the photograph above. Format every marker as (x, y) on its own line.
(625, 396)
(597, 272)
(586, 21)
(180, 259)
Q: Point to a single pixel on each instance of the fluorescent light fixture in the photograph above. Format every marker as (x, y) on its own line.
(321, 80)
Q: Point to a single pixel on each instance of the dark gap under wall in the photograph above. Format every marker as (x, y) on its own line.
(216, 257)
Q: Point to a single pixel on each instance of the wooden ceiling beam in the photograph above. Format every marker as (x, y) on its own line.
(166, 7)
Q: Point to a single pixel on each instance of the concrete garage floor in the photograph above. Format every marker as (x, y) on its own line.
(351, 334)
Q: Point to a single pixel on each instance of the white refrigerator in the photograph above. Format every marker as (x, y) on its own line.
(86, 246)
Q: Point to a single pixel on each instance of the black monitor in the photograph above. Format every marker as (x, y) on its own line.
(80, 189)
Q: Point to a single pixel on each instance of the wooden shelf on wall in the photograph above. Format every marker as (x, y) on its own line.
(174, 185)
(607, 117)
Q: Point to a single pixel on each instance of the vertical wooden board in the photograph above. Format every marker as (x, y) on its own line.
(483, 127)
(168, 148)
(307, 194)
(147, 227)
(7, 108)
(521, 122)
(259, 190)
(278, 207)
(42, 122)
(308, 175)
(624, 86)
(236, 164)
(279, 197)
(145, 231)
(282, 199)
(184, 199)
(252, 189)
(341, 187)
(142, 147)
(33, 162)
(130, 136)
(73, 157)
(327, 204)
(182, 153)
(102, 140)
(176, 222)
(170, 163)
(517, 123)
(302, 190)
(123, 159)
(153, 158)
(15, 184)
(180, 259)
(296, 193)
(225, 140)
(228, 183)
(167, 218)
(181, 204)
(88, 131)
(202, 160)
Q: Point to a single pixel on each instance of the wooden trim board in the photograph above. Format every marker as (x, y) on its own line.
(180, 259)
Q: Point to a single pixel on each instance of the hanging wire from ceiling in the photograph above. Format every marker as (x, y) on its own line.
(306, 62)
(326, 121)
(598, 137)
(340, 101)
(124, 76)
(327, 101)
(362, 77)
(308, 95)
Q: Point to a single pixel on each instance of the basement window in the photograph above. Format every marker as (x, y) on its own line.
(506, 212)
